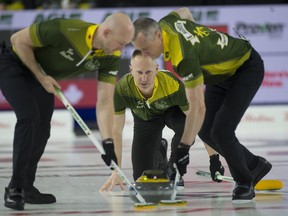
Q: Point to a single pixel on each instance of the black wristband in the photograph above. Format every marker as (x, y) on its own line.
(182, 145)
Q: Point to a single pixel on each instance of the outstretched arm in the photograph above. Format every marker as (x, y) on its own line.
(194, 119)
(195, 114)
(104, 112)
(105, 109)
(114, 179)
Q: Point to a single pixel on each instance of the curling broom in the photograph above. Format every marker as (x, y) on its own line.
(269, 184)
(113, 165)
(173, 200)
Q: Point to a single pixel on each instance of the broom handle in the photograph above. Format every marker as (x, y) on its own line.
(89, 133)
(176, 181)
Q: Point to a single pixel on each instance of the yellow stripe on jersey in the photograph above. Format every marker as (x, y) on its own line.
(120, 112)
(194, 83)
(226, 67)
(177, 56)
(168, 87)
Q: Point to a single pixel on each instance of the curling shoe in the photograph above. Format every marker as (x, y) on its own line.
(262, 168)
(14, 198)
(33, 196)
(243, 192)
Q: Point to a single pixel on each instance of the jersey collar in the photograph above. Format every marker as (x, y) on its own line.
(89, 35)
(89, 39)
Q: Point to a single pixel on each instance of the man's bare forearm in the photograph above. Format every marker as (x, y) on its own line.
(118, 126)
(195, 115)
(105, 109)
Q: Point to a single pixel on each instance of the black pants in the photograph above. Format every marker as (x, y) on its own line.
(147, 137)
(33, 107)
(226, 104)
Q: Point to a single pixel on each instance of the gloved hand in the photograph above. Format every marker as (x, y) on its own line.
(108, 146)
(182, 158)
(216, 166)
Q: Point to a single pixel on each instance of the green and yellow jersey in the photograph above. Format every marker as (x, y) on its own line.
(63, 48)
(168, 91)
(200, 54)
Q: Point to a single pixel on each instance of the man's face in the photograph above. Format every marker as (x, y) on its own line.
(150, 46)
(144, 70)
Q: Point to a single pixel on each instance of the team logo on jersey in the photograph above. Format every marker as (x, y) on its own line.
(114, 73)
(189, 77)
(68, 54)
(161, 105)
(140, 105)
(180, 27)
(92, 64)
(201, 32)
(223, 40)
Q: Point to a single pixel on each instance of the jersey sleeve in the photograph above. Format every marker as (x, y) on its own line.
(45, 33)
(119, 102)
(190, 71)
(109, 70)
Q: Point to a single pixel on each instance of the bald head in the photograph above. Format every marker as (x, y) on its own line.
(116, 19)
(116, 31)
(120, 22)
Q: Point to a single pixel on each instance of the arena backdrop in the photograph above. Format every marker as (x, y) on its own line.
(265, 26)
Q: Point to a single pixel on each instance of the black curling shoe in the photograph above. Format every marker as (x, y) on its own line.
(14, 198)
(33, 196)
(262, 168)
(243, 192)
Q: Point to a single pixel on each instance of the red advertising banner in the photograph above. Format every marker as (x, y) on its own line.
(80, 93)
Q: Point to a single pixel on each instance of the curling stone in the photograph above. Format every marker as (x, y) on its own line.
(153, 185)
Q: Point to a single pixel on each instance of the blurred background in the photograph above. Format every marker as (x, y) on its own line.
(264, 23)
(86, 4)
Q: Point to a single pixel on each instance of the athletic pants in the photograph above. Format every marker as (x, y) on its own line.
(226, 103)
(147, 138)
(33, 107)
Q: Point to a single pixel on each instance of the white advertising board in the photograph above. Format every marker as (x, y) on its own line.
(265, 26)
